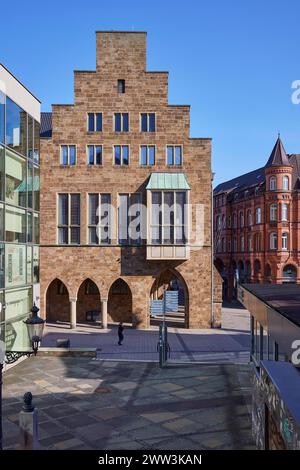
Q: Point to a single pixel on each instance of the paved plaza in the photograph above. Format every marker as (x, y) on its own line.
(86, 403)
(230, 344)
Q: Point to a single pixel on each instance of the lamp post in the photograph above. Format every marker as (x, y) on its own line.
(35, 327)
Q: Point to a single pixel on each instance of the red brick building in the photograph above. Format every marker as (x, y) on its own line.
(122, 144)
(256, 218)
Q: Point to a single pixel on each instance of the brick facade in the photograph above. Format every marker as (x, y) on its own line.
(120, 55)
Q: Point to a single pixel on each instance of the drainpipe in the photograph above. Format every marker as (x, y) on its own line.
(212, 320)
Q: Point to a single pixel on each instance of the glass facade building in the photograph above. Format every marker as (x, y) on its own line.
(19, 209)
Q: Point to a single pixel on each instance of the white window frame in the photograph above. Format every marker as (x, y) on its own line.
(68, 154)
(122, 127)
(273, 212)
(249, 217)
(285, 186)
(141, 240)
(87, 154)
(181, 155)
(68, 226)
(273, 239)
(273, 183)
(148, 119)
(147, 155)
(285, 241)
(95, 121)
(121, 163)
(90, 226)
(284, 212)
(258, 215)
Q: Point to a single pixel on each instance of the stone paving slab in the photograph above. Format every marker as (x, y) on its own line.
(180, 410)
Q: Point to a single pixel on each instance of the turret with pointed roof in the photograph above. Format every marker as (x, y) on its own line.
(278, 156)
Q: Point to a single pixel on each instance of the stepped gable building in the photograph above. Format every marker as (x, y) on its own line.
(118, 147)
(256, 223)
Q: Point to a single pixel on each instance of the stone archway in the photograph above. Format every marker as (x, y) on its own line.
(57, 302)
(88, 308)
(119, 307)
(172, 280)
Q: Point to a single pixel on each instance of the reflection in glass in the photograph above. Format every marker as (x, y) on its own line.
(15, 179)
(36, 228)
(1, 265)
(29, 265)
(15, 265)
(29, 227)
(36, 264)
(2, 114)
(1, 222)
(15, 224)
(36, 142)
(36, 188)
(30, 137)
(16, 127)
(2, 174)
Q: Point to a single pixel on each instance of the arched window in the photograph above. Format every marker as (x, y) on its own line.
(234, 220)
(273, 183)
(289, 274)
(284, 212)
(242, 243)
(273, 212)
(273, 241)
(285, 183)
(284, 241)
(249, 217)
(257, 242)
(241, 219)
(258, 215)
(249, 243)
(218, 222)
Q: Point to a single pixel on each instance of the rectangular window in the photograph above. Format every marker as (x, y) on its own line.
(69, 219)
(16, 127)
(94, 154)
(16, 187)
(147, 122)
(121, 154)
(147, 155)
(15, 224)
(174, 155)
(121, 86)
(2, 114)
(15, 265)
(94, 122)
(121, 122)
(99, 219)
(68, 155)
(168, 217)
(129, 219)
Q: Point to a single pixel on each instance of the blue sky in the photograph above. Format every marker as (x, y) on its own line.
(232, 60)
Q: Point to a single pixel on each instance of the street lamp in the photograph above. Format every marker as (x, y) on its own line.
(35, 327)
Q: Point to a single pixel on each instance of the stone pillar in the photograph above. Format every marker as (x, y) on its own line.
(104, 313)
(28, 424)
(73, 313)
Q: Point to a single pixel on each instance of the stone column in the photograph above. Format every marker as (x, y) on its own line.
(73, 313)
(104, 313)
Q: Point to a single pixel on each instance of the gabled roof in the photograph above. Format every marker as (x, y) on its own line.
(278, 156)
(46, 125)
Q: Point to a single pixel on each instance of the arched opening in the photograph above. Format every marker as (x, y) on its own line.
(88, 308)
(119, 307)
(241, 271)
(289, 274)
(268, 273)
(176, 308)
(57, 302)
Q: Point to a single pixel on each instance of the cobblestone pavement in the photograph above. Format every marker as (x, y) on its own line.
(228, 344)
(89, 404)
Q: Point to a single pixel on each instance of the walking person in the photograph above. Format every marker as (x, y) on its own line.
(120, 333)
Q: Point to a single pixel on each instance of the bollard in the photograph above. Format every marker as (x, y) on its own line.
(28, 424)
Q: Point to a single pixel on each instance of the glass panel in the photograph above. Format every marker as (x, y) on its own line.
(91, 122)
(134, 218)
(75, 209)
(91, 154)
(15, 224)
(1, 222)
(125, 155)
(117, 122)
(156, 208)
(117, 155)
(125, 122)
(98, 154)
(16, 123)
(63, 209)
(180, 235)
(30, 137)
(36, 188)
(144, 126)
(177, 155)
(123, 218)
(63, 238)
(151, 151)
(143, 155)
(105, 218)
(29, 184)
(29, 227)
(180, 207)
(18, 305)
(152, 122)
(36, 153)
(64, 155)
(93, 239)
(93, 206)
(15, 179)
(36, 219)
(75, 235)
(2, 114)
(29, 265)
(15, 265)
(72, 152)
(121, 86)
(170, 159)
(2, 263)
(2, 174)
(99, 122)
(168, 210)
(36, 264)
